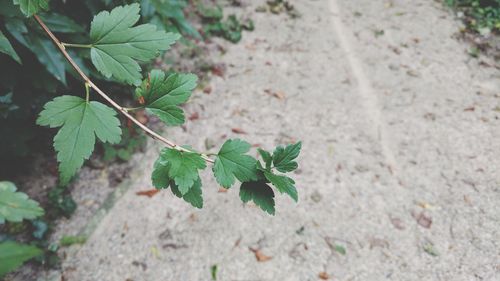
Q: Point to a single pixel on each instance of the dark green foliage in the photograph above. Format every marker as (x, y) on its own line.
(15, 207)
(132, 140)
(229, 29)
(479, 14)
(72, 240)
(13, 254)
(25, 51)
(60, 202)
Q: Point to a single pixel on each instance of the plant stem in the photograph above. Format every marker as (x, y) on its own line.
(87, 92)
(133, 108)
(76, 45)
(89, 82)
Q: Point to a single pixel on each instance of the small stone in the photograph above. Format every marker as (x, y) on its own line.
(316, 196)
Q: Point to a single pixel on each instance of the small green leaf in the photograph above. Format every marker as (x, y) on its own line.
(340, 249)
(284, 184)
(193, 196)
(48, 55)
(160, 177)
(283, 157)
(81, 122)
(59, 23)
(232, 162)
(16, 206)
(30, 7)
(266, 156)
(6, 48)
(213, 272)
(163, 95)
(260, 193)
(116, 45)
(72, 240)
(183, 167)
(13, 255)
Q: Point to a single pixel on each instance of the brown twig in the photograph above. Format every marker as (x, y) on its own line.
(89, 82)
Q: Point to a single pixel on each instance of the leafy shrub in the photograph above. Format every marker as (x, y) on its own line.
(480, 14)
(115, 45)
(15, 206)
(25, 51)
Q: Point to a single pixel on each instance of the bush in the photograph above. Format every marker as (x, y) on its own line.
(36, 57)
(480, 14)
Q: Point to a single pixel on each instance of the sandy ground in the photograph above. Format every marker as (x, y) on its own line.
(400, 162)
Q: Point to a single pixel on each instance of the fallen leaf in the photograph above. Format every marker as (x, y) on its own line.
(470, 108)
(429, 249)
(222, 190)
(207, 90)
(424, 205)
(209, 143)
(340, 249)
(149, 193)
(423, 219)
(279, 95)
(155, 252)
(194, 116)
(398, 223)
(141, 117)
(323, 276)
(238, 131)
(378, 242)
(260, 256)
(219, 70)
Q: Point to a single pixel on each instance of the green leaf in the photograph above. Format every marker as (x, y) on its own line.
(16, 206)
(232, 162)
(283, 157)
(6, 48)
(183, 167)
(43, 49)
(116, 45)
(59, 23)
(48, 55)
(260, 193)
(30, 7)
(340, 249)
(193, 196)
(72, 240)
(284, 184)
(13, 255)
(81, 122)
(160, 177)
(267, 157)
(163, 95)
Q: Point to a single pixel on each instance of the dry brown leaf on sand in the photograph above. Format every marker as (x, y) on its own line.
(422, 219)
(279, 95)
(323, 276)
(260, 256)
(149, 193)
(238, 131)
(194, 116)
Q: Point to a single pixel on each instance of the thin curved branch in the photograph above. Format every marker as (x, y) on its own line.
(122, 110)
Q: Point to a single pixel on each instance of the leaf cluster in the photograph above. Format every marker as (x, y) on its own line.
(16, 206)
(116, 43)
(25, 51)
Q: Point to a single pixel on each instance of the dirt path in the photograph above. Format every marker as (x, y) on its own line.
(400, 162)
